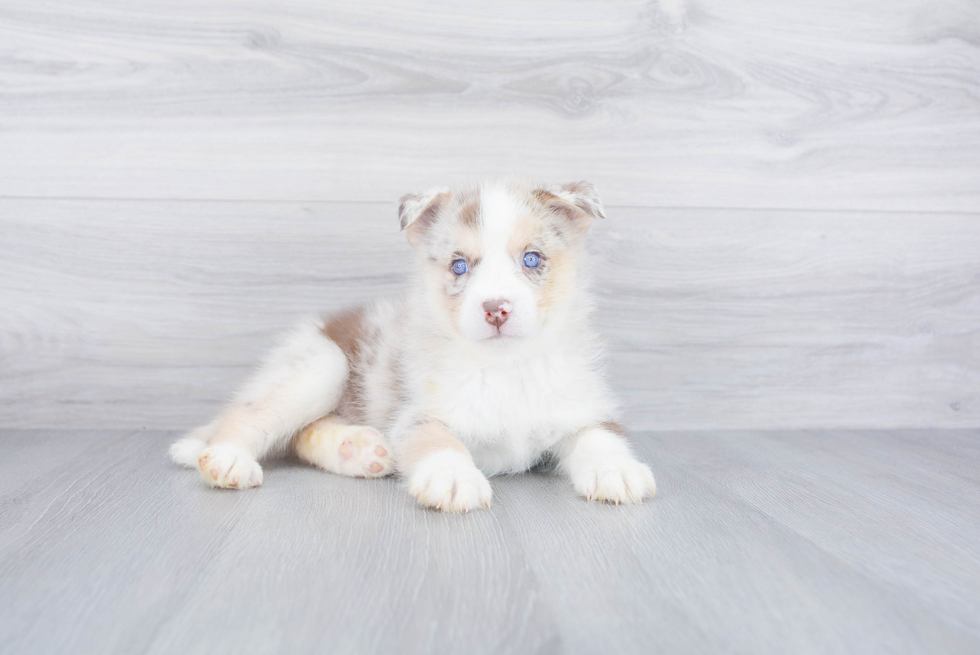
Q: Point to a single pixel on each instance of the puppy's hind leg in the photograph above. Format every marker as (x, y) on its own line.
(355, 450)
(297, 383)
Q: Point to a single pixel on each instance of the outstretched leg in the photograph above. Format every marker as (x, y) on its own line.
(299, 382)
(355, 450)
(600, 466)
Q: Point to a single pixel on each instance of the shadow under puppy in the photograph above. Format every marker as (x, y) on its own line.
(487, 365)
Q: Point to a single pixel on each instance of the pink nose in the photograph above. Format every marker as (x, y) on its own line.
(496, 311)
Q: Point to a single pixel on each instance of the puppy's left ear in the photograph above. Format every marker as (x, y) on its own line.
(418, 212)
(577, 203)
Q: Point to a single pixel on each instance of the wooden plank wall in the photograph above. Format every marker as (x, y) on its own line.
(794, 189)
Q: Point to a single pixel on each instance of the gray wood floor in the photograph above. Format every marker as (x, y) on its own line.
(759, 542)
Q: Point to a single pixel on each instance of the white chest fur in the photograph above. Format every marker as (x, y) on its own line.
(509, 410)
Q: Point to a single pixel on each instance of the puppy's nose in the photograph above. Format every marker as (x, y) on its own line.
(496, 311)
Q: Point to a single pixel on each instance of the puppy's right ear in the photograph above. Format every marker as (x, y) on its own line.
(419, 211)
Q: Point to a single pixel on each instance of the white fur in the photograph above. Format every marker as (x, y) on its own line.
(186, 450)
(357, 451)
(498, 276)
(230, 466)
(535, 388)
(298, 382)
(451, 482)
(601, 467)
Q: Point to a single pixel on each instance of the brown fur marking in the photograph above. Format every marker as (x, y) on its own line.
(586, 198)
(543, 196)
(347, 330)
(428, 217)
(567, 217)
(521, 237)
(469, 215)
(429, 438)
(467, 240)
(560, 273)
(615, 427)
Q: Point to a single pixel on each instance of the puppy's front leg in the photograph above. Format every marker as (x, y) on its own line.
(440, 471)
(600, 466)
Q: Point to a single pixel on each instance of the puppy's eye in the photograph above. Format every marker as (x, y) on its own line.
(532, 259)
(459, 266)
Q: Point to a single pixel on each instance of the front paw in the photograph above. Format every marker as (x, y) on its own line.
(615, 479)
(449, 481)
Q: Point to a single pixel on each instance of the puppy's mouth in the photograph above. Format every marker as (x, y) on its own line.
(499, 335)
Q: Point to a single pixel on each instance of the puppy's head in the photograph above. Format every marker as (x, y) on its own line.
(499, 262)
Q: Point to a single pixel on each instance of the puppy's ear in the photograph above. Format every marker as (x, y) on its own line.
(583, 195)
(575, 204)
(419, 211)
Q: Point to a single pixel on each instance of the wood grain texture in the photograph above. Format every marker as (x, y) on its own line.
(795, 222)
(830, 105)
(132, 314)
(762, 542)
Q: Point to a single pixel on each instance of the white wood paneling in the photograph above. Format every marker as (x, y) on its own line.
(178, 183)
(829, 105)
(148, 313)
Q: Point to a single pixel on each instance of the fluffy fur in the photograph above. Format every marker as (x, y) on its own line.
(470, 375)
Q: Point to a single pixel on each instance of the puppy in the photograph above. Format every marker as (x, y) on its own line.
(486, 366)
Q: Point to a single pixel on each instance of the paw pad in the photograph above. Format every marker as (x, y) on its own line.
(346, 449)
(354, 450)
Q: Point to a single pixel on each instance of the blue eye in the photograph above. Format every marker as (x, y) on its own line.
(459, 266)
(532, 259)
